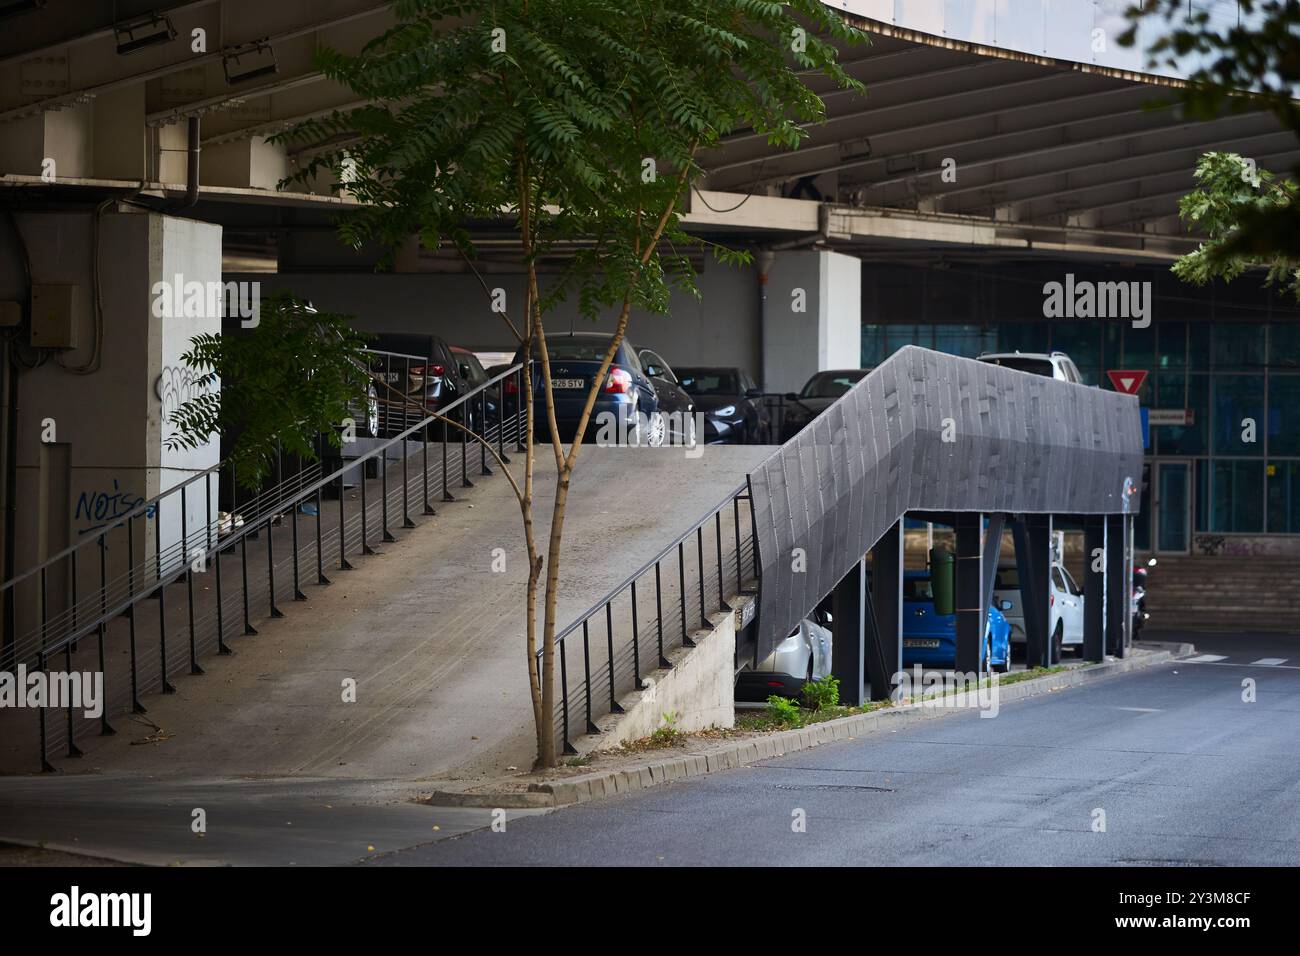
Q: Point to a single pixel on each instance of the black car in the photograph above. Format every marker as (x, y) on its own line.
(640, 396)
(420, 374)
(818, 394)
(732, 405)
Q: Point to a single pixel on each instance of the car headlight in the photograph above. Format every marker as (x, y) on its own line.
(726, 411)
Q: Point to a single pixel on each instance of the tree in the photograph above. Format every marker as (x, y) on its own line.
(579, 122)
(1254, 64)
(297, 374)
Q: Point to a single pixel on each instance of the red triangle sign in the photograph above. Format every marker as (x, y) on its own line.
(1127, 380)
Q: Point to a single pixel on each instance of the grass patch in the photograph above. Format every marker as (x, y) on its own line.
(796, 717)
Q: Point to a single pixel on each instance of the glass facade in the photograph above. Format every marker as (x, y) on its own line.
(1228, 356)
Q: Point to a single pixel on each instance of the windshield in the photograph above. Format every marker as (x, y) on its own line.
(831, 384)
(917, 589)
(1022, 364)
(579, 350)
(1008, 579)
(707, 382)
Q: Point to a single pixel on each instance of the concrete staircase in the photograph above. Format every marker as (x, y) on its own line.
(1234, 594)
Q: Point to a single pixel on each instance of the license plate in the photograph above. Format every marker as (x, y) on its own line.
(567, 383)
(918, 642)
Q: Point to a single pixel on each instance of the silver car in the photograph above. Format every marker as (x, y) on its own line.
(803, 656)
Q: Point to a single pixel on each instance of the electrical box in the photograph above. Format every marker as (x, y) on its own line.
(54, 317)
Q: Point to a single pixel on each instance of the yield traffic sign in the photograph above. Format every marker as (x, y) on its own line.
(1127, 380)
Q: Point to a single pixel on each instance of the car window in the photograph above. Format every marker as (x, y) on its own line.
(1056, 579)
(1025, 364)
(830, 384)
(655, 365)
(708, 382)
(1069, 583)
(918, 589)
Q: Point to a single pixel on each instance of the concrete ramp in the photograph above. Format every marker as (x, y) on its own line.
(429, 631)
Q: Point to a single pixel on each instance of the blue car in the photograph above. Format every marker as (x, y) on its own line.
(930, 638)
(640, 396)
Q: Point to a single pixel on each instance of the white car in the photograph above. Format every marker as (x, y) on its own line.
(1065, 607)
(1055, 365)
(802, 657)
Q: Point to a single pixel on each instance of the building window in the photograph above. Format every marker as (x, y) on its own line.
(1238, 496)
(1239, 422)
(1284, 497)
(1283, 414)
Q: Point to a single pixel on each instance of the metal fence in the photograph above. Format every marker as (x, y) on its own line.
(606, 653)
(105, 603)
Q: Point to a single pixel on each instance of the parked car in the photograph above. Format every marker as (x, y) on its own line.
(818, 394)
(732, 405)
(641, 403)
(429, 381)
(1064, 606)
(802, 657)
(930, 638)
(1055, 365)
(473, 373)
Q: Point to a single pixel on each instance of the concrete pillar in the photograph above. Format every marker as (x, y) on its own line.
(813, 317)
(970, 587)
(887, 604)
(92, 441)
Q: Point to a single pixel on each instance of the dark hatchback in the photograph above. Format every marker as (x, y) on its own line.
(817, 395)
(423, 376)
(647, 408)
(732, 405)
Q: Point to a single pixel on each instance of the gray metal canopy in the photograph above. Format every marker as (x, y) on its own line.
(927, 431)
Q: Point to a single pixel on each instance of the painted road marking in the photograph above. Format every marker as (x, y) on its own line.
(1220, 663)
(1206, 659)
(1270, 661)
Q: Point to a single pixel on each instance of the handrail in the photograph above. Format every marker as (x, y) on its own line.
(77, 632)
(144, 508)
(636, 575)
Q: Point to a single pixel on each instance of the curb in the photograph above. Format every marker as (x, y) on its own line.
(593, 786)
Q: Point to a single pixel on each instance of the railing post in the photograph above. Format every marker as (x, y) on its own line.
(136, 706)
(614, 707)
(681, 592)
(189, 580)
(699, 553)
(464, 446)
(387, 536)
(406, 490)
(446, 494)
(344, 564)
(483, 433)
(161, 594)
(659, 618)
(365, 535)
(105, 728)
(636, 642)
(270, 566)
(424, 440)
(521, 419)
(586, 676)
(564, 698)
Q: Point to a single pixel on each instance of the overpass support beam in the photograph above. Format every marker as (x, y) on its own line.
(970, 591)
(1117, 584)
(1033, 538)
(1094, 587)
(885, 656)
(848, 655)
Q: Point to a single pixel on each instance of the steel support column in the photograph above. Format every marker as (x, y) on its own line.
(849, 613)
(989, 569)
(1094, 587)
(885, 649)
(970, 586)
(1033, 538)
(1117, 599)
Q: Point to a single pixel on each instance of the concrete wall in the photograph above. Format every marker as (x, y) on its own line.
(107, 449)
(720, 328)
(699, 692)
(813, 319)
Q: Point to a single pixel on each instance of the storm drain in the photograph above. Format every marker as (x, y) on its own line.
(832, 787)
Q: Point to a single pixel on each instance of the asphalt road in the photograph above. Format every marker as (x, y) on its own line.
(1184, 770)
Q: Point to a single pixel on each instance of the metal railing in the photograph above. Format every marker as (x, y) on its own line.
(125, 568)
(605, 653)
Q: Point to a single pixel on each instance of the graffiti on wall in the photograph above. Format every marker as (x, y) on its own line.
(103, 507)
